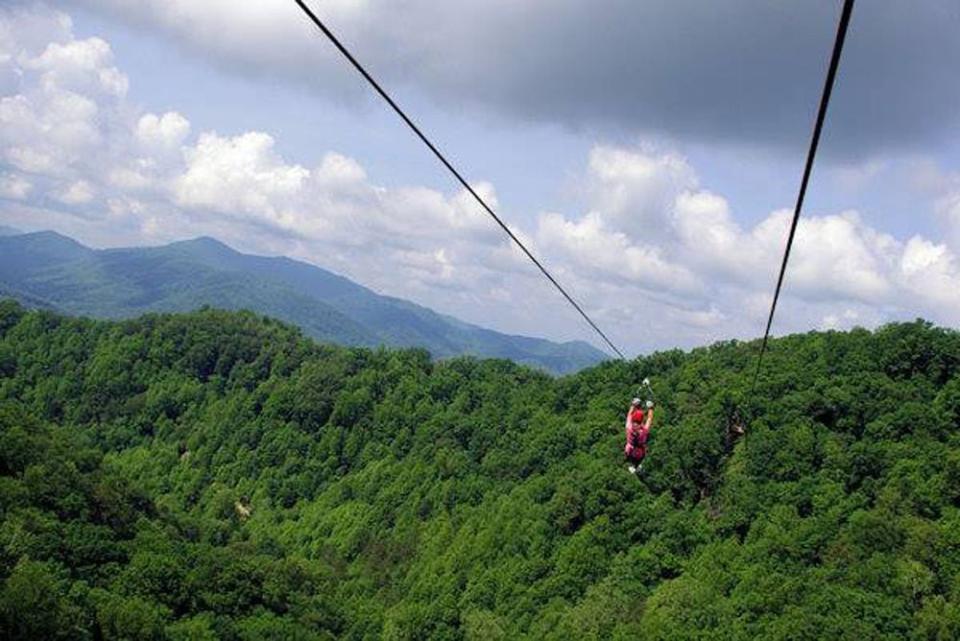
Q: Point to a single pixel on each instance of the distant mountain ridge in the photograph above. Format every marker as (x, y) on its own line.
(49, 270)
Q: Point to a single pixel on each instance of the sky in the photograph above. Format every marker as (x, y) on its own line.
(648, 152)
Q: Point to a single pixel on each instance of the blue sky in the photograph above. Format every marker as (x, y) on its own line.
(650, 176)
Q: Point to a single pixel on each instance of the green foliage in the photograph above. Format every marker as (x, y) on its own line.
(218, 476)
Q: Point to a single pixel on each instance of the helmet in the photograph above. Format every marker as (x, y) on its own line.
(636, 402)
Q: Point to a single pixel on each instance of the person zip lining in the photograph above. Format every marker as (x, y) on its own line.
(637, 428)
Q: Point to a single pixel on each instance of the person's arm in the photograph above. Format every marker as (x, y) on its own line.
(645, 428)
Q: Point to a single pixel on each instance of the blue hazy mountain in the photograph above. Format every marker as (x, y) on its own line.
(46, 269)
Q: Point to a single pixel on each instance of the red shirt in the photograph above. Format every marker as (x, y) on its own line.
(636, 432)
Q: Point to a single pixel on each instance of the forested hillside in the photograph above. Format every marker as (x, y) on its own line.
(49, 271)
(216, 475)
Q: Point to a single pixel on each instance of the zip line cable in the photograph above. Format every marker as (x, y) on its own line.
(436, 152)
(811, 154)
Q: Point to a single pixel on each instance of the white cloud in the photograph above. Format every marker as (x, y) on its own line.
(948, 209)
(704, 270)
(164, 132)
(27, 31)
(840, 256)
(337, 170)
(14, 186)
(241, 175)
(711, 239)
(76, 193)
(599, 251)
(932, 273)
(69, 96)
(932, 180)
(635, 189)
(78, 66)
(128, 179)
(840, 320)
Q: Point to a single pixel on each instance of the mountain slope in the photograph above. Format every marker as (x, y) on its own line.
(125, 283)
(121, 283)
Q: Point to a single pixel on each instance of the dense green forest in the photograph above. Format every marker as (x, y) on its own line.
(217, 475)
